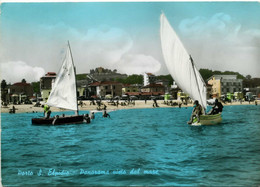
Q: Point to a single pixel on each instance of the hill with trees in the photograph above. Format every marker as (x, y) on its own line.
(138, 79)
(206, 73)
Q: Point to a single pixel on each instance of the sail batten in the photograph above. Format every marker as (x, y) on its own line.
(179, 64)
(63, 93)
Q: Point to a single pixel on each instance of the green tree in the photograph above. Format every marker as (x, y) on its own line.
(134, 79)
(248, 77)
(206, 73)
(3, 90)
(81, 76)
(3, 84)
(166, 77)
(36, 87)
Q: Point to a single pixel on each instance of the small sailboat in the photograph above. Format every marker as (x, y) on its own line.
(63, 95)
(183, 70)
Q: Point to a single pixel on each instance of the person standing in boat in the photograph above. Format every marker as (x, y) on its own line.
(47, 111)
(196, 112)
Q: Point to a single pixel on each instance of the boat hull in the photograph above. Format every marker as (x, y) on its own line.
(209, 120)
(58, 121)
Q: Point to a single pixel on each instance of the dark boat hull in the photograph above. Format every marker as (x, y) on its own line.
(58, 121)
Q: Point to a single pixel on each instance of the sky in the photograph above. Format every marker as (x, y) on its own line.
(125, 36)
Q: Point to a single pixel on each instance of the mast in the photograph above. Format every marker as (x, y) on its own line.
(77, 111)
(193, 67)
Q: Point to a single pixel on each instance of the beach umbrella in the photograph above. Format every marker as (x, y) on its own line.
(116, 97)
(109, 96)
(133, 97)
(153, 97)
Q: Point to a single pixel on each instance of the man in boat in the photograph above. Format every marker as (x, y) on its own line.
(196, 112)
(217, 108)
(47, 111)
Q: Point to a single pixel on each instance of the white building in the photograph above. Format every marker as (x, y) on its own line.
(149, 78)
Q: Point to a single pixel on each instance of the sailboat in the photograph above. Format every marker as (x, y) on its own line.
(182, 68)
(63, 94)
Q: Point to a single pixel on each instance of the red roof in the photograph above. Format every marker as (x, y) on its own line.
(95, 84)
(144, 93)
(50, 74)
(133, 93)
(152, 93)
(154, 86)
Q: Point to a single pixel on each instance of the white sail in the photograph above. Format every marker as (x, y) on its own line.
(180, 65)
(63, 93)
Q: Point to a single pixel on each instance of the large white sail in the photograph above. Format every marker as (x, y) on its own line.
(180, 65)
(63, 93)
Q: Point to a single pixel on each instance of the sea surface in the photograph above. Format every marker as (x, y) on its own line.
(133, 147)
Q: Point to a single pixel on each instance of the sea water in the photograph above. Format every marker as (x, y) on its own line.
(133, 147)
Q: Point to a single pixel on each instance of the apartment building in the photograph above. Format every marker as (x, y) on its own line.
(223, 84)
(46, 83)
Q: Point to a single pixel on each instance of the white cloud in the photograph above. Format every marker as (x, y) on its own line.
(220, 43)
(113, 48)
(138, 64)
(15, 71)
(105, 45)
(219, 25)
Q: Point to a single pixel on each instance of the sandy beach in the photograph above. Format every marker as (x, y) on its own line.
(30, 108)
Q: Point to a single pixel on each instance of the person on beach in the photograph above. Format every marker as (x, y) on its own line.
(105, 107)
(196, 112)
(179, 104)
(12, 111)
(155, 103)
(217, 108)
(81, 103)
(105, 114)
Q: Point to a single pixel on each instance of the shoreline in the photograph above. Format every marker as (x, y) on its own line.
(139, 104)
